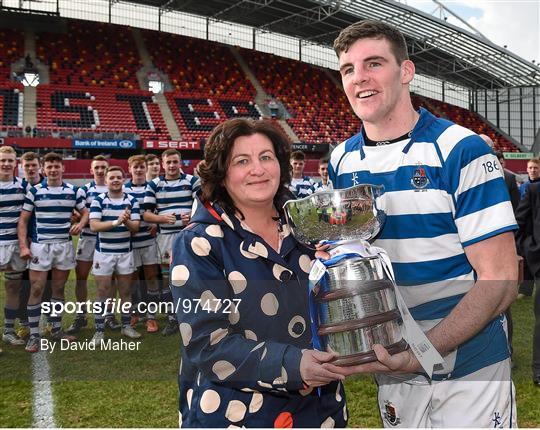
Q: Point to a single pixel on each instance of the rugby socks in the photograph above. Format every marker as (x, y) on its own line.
(166, 297)
(9, 319)
(126, 319)
(99, 319)
(55, 319)
(153, 299)
(34, 313)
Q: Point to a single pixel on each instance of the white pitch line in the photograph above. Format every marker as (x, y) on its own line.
(43, 403)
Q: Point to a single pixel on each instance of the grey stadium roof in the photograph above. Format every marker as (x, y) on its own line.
(439, 49)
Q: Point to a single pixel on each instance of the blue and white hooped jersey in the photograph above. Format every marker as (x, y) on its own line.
(302, 187)
(171, 196)
(104, 208)
(52, 207)
(319, 186)
(142, 238)
(88, 192)
(12, 194)
(443, 191)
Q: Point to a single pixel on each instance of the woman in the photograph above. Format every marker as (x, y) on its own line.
(239, 282)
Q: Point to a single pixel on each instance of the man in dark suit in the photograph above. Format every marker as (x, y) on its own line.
(510, 180)
(528, 244)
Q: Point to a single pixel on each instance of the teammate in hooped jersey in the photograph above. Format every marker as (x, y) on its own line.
(52, 202)
(168, 203)
(448, 234)
(145, 250)
(87, 241)
(114, 216)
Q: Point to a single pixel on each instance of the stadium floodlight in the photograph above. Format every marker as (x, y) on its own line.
(30, 79)
(156, 86)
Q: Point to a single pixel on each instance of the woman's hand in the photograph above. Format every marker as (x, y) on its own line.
(312, 371)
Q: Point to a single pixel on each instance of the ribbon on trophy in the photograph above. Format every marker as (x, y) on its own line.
(420, 345)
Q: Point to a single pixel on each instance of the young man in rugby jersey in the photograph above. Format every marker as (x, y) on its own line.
(153, 166)
(52, 202)
(12, 193)
(301, 185)
(114, 216)
(448, 232)
(145, 251)
(168, 202)
(87, 240)
(325, 183)
(31, 168)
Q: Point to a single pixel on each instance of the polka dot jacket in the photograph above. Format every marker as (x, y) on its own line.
(243, 315)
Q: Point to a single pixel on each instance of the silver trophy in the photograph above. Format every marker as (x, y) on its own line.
(354, 303)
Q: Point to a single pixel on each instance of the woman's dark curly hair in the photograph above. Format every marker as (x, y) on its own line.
(217, 153)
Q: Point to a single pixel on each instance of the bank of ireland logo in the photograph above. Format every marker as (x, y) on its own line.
(419, 179)
(125, 144)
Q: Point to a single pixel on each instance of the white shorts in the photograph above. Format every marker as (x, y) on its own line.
(146, 256)
(47, 256)
(10, 258)
(85, 248)
(485, 398)
(164, 242)
(107, 264)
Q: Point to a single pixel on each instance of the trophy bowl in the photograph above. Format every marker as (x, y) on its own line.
(355, 302)
(336, 216)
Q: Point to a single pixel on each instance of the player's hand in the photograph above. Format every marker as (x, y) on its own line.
(25, 253)
(76, 229)
(402, 362)
(169, 218)
(313, 370)
(322, 251)
(127, 214)
(185, 217)
(152, 229)
(75, 217)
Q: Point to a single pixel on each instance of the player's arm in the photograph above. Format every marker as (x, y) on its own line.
(78, 227)
(151, 217)
(22, 234)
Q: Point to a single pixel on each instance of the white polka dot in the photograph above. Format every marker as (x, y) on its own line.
(260, 345)
(180, 367)
(227, 220)
(328, 423)
(338, 394)
(185, 331)
(236, 411)
(277, 270)
(258, 249)
(269, 304)
(210, 401)
(282, 379)
(238, 281)
(246, 253)
(264, 354)
(297, 326)
(189, 396)
(305, 263)
(214, 231)
(179, 419)
(256, 402)
(179, 275)
(264, 384)
(200, 246)
(209, 301)
(306, 392)
(234, 317)
(198, 379)
(232, 426)
(250, 335)
(217, 335)
(247, 390)
(345, 412)
(223, 369)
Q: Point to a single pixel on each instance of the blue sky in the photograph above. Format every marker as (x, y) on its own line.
(515, 23)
